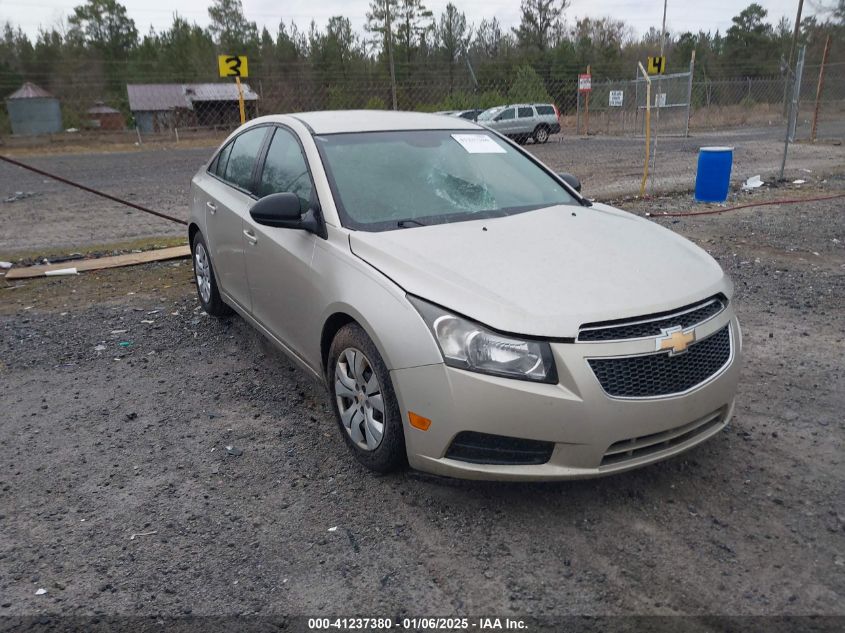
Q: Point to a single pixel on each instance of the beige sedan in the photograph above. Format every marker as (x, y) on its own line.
(470, 313)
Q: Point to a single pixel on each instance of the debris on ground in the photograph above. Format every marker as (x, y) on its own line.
(41, 591)
(800, 181)
(752, 183)
(5, 265)
(19, 195)
(98, 263)
(234, 451)
(61, 271)
(137, 534)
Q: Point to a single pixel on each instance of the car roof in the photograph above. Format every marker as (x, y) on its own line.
(344, 121)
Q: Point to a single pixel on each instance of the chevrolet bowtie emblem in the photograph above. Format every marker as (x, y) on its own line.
(675, 340)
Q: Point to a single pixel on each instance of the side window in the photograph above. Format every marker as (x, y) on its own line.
(545, 109)
(524, 113)
(285, 169)
(506, 115)
(238, 170)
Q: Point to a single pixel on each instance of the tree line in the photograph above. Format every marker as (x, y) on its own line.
(101, 47)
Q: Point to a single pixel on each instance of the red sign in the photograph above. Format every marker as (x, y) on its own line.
(585, 83)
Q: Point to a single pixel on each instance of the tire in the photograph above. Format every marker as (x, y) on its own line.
(206, 280)
(541, 134)
(352, 365)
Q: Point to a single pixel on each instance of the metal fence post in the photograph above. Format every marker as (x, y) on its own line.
(577, 111)
(793, 108)
(819, 89)
(689, 92)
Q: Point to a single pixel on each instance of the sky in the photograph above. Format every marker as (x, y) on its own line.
(682, 15)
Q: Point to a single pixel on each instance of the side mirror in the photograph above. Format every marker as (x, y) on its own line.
(278, 209)
(284, 210)
(571, 180)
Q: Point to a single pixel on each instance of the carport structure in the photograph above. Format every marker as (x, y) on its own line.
(161, 107)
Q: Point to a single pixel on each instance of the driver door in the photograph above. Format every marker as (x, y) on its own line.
(278, 260)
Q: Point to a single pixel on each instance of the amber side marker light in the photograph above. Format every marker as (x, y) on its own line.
(419, 422)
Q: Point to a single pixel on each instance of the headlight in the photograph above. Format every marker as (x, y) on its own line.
(468, 345)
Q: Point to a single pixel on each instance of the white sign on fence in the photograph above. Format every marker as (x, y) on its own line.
(585, 83)
(616, 97)
(660, 100)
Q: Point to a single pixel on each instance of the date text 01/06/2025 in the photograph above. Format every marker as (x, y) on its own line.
(416, 624)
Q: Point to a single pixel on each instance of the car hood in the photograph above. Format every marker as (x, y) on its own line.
(546, 272)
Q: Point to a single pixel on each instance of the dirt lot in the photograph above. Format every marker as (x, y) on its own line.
(56, 216)
(120, 398)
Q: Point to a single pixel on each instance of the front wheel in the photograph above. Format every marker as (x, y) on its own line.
(541, 135)
(364, 402)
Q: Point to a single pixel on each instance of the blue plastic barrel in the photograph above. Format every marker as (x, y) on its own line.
(714, 174)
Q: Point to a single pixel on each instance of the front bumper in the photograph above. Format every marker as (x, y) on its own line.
(593, 434)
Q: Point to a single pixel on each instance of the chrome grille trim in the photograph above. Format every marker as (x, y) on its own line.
(653, 325)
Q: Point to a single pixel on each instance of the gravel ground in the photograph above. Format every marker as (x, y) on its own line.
(106, 434)
(57, 216)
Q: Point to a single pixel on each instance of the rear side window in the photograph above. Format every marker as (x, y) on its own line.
(285, 169)
(242, 156)
(545, 109)
(219, 166)
(524, 113)
(506, 115)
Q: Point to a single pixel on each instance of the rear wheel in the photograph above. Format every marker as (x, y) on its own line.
(207, 291)
(541, 134)
(364, 402)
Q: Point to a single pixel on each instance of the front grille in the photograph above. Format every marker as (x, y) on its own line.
(654, 324)
(645, 445)
(483, 448)
(663, 374)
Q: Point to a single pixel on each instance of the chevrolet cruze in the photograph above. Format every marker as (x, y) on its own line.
(470, 313)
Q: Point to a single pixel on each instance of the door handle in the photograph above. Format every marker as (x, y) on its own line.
(250, 236)
(211, 207)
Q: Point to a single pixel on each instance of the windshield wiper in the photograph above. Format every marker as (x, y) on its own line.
(404, 224)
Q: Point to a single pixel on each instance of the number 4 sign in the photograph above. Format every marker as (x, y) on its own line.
(232, 66)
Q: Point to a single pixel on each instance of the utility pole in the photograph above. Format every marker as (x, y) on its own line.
(659, 91)
(389, 35)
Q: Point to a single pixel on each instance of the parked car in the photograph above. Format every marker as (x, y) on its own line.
(469, 312)
(471, 115)
(523, 121)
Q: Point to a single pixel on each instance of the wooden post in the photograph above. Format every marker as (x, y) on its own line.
(587, 106)
(819, 89)
(241, 99)
(647, 127)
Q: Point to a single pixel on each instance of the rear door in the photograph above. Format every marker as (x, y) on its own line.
(278, 261)
(230, 197)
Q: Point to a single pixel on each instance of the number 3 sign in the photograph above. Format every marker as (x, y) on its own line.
(232, 66)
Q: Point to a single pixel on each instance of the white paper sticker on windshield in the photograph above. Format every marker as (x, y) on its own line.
(479, 144)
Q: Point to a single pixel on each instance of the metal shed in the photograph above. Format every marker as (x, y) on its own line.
(160, 107)
(103, 117)
(33, 110)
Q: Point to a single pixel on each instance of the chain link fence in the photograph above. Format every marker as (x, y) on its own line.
(167, 109)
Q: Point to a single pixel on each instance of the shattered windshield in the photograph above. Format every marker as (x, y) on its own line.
(388, 180)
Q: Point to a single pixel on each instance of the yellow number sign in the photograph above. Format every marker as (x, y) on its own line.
(233, 65)
(656, 65)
